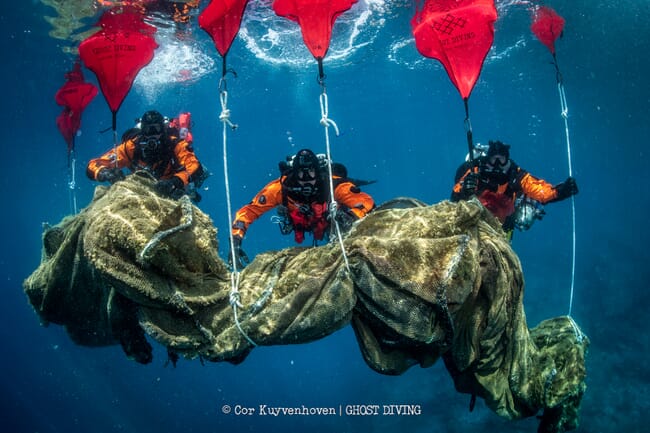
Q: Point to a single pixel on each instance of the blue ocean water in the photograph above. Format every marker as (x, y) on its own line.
(401, 123)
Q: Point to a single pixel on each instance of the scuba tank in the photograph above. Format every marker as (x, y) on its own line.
(184, 125)
(287, 165)
(479, 151)
(527, 211)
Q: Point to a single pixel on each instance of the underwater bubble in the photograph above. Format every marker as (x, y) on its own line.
(278, 41)
(176, 62)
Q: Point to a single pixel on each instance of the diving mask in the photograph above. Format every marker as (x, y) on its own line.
(306, 174)
(152, 129)
(498, 161)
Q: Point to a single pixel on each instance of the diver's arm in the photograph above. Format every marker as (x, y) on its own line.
(187, 159)
(109, 161)
(268, 198)
(350, 196)
(459, 192)
(537, 189)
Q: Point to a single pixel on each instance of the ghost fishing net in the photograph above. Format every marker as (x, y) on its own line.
(425, 282)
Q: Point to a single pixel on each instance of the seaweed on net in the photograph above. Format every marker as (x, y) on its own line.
(426, 282)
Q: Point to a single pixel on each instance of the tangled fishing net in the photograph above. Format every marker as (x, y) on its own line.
(424, 283)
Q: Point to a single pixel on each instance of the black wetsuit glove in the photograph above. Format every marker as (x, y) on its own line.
(345, 218)
(110, 175)
(470, 183)
(240, 256)
(172, 187)
(566, 189)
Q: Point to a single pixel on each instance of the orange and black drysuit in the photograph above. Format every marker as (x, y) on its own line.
(498, 191)
(177, 159)
(302, 216)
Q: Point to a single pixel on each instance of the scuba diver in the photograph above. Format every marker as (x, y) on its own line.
(159, 146)
(302, 197)
(512, 194)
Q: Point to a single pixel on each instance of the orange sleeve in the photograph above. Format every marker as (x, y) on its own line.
(459, 185)
(457, 192)
(357, 201)
(268, 198)
(187, 159)
(124, 153)
(537, 189)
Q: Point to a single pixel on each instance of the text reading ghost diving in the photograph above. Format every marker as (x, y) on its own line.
(340, 410)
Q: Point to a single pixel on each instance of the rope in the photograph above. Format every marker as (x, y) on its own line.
(185, 222)
(565, 115)
(327, 122)
(234, 297)
(576, 331)
(72, 180)
(564, 112)
(468, 130)
(114, 122)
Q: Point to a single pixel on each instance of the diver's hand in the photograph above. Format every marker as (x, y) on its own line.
(241, 259)
(110, 175)
(470, 183)
(566, 189)
(345, 218)
(172, 187)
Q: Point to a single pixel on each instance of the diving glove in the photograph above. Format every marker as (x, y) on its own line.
(110, 175)
(345, 218)
(173, 187)
(241, 259)
(566, 189)
(470, 183)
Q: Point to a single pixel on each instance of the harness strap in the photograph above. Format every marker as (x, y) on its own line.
(314, 221)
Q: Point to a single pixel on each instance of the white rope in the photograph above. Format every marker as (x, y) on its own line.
(565, 116)
(576, 331)
(72, 182)
(235, 297)
(333, 207)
